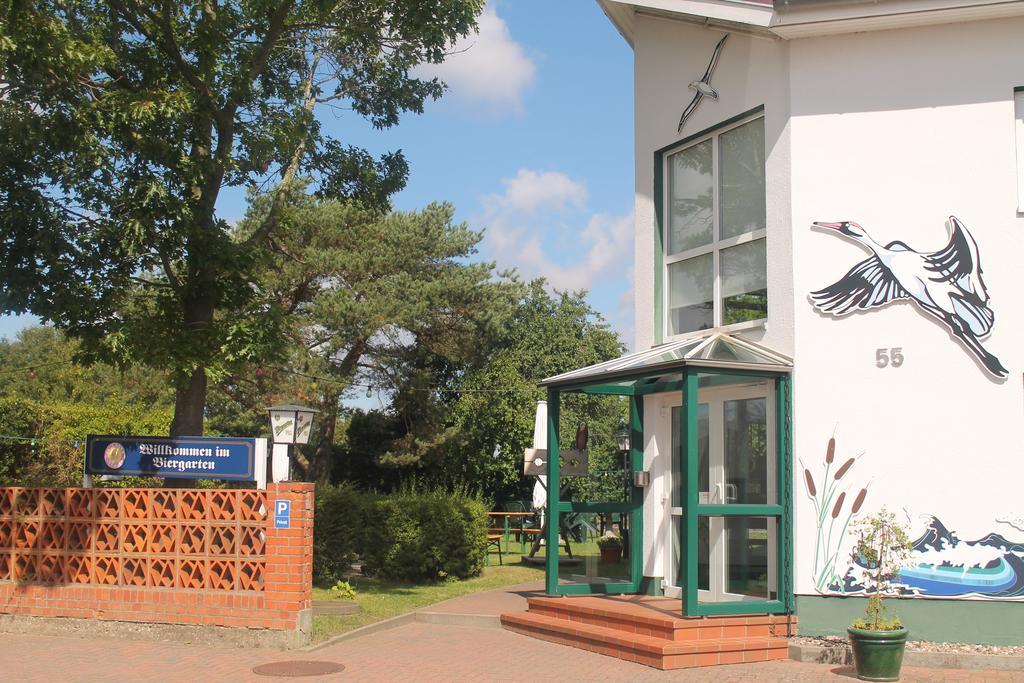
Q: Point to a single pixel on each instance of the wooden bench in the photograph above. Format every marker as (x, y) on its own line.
(494, 538)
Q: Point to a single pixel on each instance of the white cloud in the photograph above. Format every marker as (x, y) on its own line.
(530, 190)
(540, 226)
(488, 67)
(524, 231)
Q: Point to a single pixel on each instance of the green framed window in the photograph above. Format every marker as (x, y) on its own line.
(710, 203)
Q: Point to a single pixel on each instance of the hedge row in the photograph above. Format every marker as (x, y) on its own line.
(410, 536)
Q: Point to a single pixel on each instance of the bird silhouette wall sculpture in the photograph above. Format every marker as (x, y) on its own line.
(946, 285)
(702, 88)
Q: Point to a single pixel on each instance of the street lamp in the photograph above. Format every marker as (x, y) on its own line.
(622, 436)
(289, 425)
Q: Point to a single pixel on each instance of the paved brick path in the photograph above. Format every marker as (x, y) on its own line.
(414, 652)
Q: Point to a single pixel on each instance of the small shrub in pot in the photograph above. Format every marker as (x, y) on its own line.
(878, 640)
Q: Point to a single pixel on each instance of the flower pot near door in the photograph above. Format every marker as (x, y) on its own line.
(611, 549)
(878, 639)
(877, 655)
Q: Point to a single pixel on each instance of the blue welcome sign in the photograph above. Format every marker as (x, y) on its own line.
(188, 457)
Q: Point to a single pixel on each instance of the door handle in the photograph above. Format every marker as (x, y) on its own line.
(731, 494)
(718, 494)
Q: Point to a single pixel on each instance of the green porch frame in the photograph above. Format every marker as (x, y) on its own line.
(682, 367)
(558, 507)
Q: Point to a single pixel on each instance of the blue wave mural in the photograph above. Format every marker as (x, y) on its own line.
(947, 566)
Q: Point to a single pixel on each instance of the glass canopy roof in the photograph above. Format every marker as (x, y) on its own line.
(717, 351)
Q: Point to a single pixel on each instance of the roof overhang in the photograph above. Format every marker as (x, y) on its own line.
(736, 15)
(806, 18)
(715, 353)
(789, 19)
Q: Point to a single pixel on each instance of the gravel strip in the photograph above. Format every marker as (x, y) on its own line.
(919, 646)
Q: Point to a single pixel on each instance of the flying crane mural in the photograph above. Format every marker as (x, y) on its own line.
(946, 285)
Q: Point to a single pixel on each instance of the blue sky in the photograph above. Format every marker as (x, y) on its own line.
(533, 143)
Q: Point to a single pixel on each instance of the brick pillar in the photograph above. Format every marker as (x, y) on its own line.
(288, 581)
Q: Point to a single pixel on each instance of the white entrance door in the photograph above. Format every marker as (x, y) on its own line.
(735, 465)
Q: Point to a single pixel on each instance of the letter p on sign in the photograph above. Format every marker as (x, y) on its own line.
(282, 514)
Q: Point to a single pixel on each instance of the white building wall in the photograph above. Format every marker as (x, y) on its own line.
(898, 130)
(751, 72)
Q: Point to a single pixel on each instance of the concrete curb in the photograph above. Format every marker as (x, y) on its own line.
(224, 636)
(841, 654)
(376, 627)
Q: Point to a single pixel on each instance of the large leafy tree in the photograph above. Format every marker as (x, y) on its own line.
(49, 403)
(367, 292)
(39, 365)
(466, 424)
(494, 414)
(122, 121)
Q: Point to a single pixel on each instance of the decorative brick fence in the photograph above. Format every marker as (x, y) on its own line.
(169, 556)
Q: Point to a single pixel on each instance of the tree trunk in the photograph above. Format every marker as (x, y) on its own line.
(323, 457)
(190, 399)
(189, 405)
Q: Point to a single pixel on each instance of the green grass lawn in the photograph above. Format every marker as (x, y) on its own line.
(381, 599)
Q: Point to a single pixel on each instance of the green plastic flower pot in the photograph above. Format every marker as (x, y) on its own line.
(877, 655)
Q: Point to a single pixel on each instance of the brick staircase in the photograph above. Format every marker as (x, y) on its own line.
(651, 631)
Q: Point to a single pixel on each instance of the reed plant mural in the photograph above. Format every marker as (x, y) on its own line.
(833, 516)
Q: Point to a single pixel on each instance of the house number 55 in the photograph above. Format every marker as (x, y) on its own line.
(887, 357)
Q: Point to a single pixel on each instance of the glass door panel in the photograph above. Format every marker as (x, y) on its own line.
(750, 558)
(739, 560)
(597, 500)
(589, 563)
(673, 577)
(736, 554)
(749, 472)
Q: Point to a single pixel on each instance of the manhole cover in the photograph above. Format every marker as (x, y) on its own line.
(298, 668)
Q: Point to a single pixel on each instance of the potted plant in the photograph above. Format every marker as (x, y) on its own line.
(878, 640)
(611, 548)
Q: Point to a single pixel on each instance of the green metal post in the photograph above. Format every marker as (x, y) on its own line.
(688, 464)
(636, 517)
(554, 484)
(784, 533)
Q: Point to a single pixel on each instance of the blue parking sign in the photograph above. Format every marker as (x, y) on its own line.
(282, 514)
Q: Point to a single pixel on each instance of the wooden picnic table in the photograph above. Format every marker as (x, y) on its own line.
(506, 528)
(495, 534)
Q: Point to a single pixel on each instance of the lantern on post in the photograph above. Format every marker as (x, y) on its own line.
(622, 436)
(289, 425)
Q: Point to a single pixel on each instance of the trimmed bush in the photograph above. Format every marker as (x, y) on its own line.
(55, 459)
(425, 536)
(338, 527)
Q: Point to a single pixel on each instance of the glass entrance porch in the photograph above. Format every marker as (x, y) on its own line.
(723, 416)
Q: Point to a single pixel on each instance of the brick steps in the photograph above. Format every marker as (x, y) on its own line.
(643, 631)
